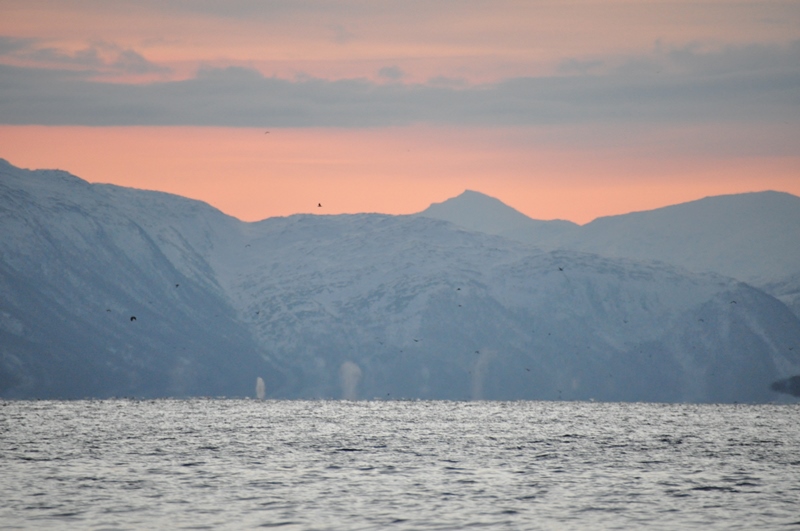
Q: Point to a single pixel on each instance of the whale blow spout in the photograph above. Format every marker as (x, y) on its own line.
(261, 390)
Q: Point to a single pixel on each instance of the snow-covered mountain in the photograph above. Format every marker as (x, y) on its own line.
(753, 237)
(359, 306)
(479, 212)
(80, 262)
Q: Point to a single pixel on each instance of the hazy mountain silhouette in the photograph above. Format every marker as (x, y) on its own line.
(482, 213)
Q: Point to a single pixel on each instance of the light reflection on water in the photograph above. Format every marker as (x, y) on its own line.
(406, 465)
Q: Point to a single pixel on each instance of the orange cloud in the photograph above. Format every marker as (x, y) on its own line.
(482, 42)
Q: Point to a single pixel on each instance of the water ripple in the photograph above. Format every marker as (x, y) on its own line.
(232, 464)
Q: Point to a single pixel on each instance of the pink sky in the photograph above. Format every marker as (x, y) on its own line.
(569, 110)
(253, 175)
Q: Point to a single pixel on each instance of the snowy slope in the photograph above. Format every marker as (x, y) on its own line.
(79, 261)
(423, 309)
(754, 237)
(358, 306)
(787, 291)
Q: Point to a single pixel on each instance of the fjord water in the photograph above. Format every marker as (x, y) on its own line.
(233, 464)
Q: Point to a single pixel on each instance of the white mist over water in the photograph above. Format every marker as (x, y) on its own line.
(349, 377)
(479, 370)
(261, 390)
(397, 465)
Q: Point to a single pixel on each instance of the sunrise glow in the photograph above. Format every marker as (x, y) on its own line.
(568, 110)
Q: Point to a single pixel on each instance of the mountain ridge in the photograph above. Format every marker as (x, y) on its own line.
(483, 213)
(754, 237)
(355, 306)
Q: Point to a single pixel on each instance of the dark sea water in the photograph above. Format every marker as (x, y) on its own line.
(234, 464)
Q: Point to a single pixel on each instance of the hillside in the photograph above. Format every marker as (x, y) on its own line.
(357, 306)
(753, 237)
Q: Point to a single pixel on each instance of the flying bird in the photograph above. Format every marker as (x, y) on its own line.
(133, 318)
(319, 205)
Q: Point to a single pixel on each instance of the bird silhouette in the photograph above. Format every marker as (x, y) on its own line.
(133, 318)
(319, 205)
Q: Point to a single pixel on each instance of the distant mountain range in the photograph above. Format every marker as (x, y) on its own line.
(111, 291)
(753, 237)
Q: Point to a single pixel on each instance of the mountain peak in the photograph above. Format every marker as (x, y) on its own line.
(479, 212)
(474, 194)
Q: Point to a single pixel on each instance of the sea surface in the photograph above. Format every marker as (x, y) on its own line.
(239, 464)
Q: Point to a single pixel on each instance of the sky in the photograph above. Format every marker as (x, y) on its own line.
(568, 109)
